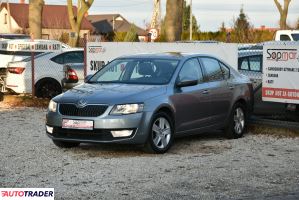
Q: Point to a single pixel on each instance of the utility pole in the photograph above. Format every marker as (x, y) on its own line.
(191, 18)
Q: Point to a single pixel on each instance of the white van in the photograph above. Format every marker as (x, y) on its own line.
(287, 35)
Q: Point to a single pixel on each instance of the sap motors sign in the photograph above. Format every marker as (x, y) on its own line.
(281, 72)
(100, 53)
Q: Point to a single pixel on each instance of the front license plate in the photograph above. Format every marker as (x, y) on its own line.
(77, 124)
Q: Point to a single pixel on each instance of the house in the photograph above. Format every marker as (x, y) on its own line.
(109, 23)
(55, 21)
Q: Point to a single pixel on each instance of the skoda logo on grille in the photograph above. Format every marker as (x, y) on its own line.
(81, 103)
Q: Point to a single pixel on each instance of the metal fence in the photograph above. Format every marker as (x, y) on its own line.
(52, 71)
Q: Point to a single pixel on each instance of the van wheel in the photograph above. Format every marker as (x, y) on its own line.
(161, 133)
(237, 122)
(62, 144)
(47, 88)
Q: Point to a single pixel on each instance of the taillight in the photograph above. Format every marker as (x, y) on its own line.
(16, 70)
(71, 75)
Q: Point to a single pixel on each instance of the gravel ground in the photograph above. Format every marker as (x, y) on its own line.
(201, 167)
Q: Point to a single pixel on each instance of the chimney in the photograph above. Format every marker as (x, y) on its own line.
(21, 1)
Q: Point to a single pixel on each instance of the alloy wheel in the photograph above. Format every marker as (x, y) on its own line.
(239, 120)
(161, 132)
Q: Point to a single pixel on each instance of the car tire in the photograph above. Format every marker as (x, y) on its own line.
(47, 88)
(62, 144)
(237, 122)
(161, 133)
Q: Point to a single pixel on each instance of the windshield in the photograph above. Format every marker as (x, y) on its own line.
(295, 36)
(136, 71)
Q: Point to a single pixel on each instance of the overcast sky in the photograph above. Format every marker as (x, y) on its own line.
(209, 14)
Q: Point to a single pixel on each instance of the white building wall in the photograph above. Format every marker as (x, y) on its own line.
(4, 28)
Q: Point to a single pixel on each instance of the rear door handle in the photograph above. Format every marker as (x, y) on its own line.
(205, 92)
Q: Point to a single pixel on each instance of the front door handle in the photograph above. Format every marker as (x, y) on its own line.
(231, 87)
(205, 92)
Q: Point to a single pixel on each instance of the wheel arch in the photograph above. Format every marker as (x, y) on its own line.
(168, 110)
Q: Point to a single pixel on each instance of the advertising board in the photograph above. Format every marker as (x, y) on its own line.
(100, 53)
(281, 73)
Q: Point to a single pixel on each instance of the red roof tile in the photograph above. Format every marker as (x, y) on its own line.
(53, 17)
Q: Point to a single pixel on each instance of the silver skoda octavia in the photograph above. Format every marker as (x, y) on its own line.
(150, 99)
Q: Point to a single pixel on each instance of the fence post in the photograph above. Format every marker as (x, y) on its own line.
(85, 55)
(32, 68)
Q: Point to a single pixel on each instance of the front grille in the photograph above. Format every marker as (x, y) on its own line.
(87, 111)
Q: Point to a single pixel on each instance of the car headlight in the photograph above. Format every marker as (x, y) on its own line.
(52, 106)
(126, 109)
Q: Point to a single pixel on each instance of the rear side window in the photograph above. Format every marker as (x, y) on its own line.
(285, 38)
(225, 70)
(58, 59)
(213, 69)
(74, 57)
(255, 63)
(69, 57)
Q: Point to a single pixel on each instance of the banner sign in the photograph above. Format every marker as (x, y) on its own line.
(281, 73)
(100, 53)
(30, 46)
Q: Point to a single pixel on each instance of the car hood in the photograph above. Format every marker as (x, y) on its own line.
(111, 93)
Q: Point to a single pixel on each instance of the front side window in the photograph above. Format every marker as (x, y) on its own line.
(136, 71)
(213, 69)
(295, 36)
(191, 71)
(243, 64)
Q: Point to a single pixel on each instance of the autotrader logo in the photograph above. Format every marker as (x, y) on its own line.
(27, 193)
(282, 54)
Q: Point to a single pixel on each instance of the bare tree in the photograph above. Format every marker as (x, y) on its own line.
(35, 17)
(75, 20)
(174, 19)
(283, 13)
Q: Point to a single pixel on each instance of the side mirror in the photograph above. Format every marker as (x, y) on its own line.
(186, 83)
(86, 79)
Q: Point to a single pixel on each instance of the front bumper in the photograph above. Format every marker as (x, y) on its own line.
(103, 125)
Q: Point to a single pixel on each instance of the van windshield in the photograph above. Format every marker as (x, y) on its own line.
(295, 36)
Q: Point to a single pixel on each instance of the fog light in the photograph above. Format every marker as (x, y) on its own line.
(122, 133)
(49, 129)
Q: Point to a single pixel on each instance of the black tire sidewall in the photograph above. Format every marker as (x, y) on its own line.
(40, 85)
(150, 142)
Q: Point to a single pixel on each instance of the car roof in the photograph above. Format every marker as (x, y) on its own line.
(167, 55)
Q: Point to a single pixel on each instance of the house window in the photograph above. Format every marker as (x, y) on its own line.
(5, 18)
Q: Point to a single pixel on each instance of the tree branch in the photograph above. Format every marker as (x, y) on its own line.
(278, 5)
(72, 18)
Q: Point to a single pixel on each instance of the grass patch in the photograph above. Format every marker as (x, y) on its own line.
(25, 101)
(274, 131)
